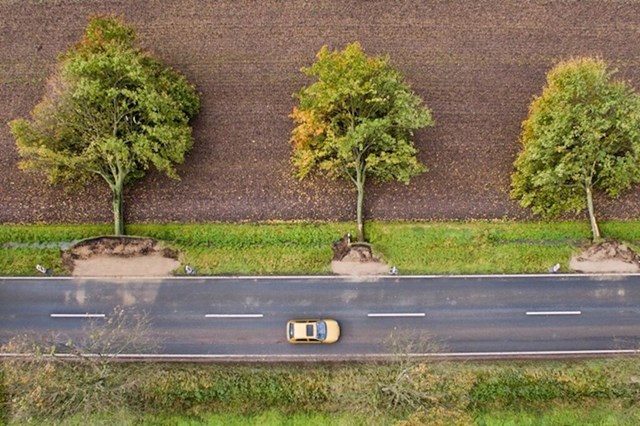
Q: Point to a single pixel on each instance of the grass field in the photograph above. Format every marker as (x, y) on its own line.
(305, 248)
(402, 392)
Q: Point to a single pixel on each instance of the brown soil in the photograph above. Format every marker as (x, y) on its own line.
(477, 65)
(359, 261)
(152, 265)
(606, 257)
(344, 267)
(120, 256)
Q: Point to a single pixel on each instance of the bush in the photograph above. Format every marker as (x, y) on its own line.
(517, 387)
(438, 393)
(180, 388)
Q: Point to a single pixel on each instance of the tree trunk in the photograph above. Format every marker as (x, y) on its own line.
(359, 213)
(595, 231)
(360, 187)
(118, 217)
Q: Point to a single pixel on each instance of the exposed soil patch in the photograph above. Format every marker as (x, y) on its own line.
(606, 257)
(342, 267)
(120, 256)
(359, 260)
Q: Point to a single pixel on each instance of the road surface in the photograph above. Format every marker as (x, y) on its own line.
(231, 318)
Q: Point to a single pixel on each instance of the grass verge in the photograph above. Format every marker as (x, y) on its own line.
(305, 248)
(400, 393)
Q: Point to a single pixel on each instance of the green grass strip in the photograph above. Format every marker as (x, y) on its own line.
(481, 247)
(402, 392)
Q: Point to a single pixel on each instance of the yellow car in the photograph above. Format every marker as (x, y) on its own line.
(313, 331)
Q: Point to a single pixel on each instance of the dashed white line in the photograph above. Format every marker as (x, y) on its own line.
(397, 314)
(234, 316)
(77, 315)
(542, 313)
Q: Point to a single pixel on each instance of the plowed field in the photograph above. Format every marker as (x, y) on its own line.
(477, 64)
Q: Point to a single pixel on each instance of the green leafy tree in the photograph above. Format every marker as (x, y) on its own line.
(110, 110)
(582, 134)
(357, 120)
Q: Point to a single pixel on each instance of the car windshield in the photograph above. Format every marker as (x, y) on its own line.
(322, 330)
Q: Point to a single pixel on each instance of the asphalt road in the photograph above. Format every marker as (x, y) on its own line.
(230, 318)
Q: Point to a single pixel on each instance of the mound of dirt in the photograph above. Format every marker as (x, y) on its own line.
(120, 256)
(606, 257)
(359, 261)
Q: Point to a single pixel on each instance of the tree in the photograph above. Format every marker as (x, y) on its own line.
(357, 120)
(110, 110)
(582, 134)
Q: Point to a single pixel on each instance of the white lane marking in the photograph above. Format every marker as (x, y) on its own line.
(234, 315)
(77, 315)
(533, 313)
(397, 314)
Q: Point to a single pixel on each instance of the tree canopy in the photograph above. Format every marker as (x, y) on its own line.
(357, 120)
(582, 134)
(110, 110)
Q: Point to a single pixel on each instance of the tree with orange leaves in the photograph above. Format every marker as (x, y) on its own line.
(357, 120)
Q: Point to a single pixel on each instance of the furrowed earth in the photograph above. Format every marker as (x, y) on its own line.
(476, 64)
